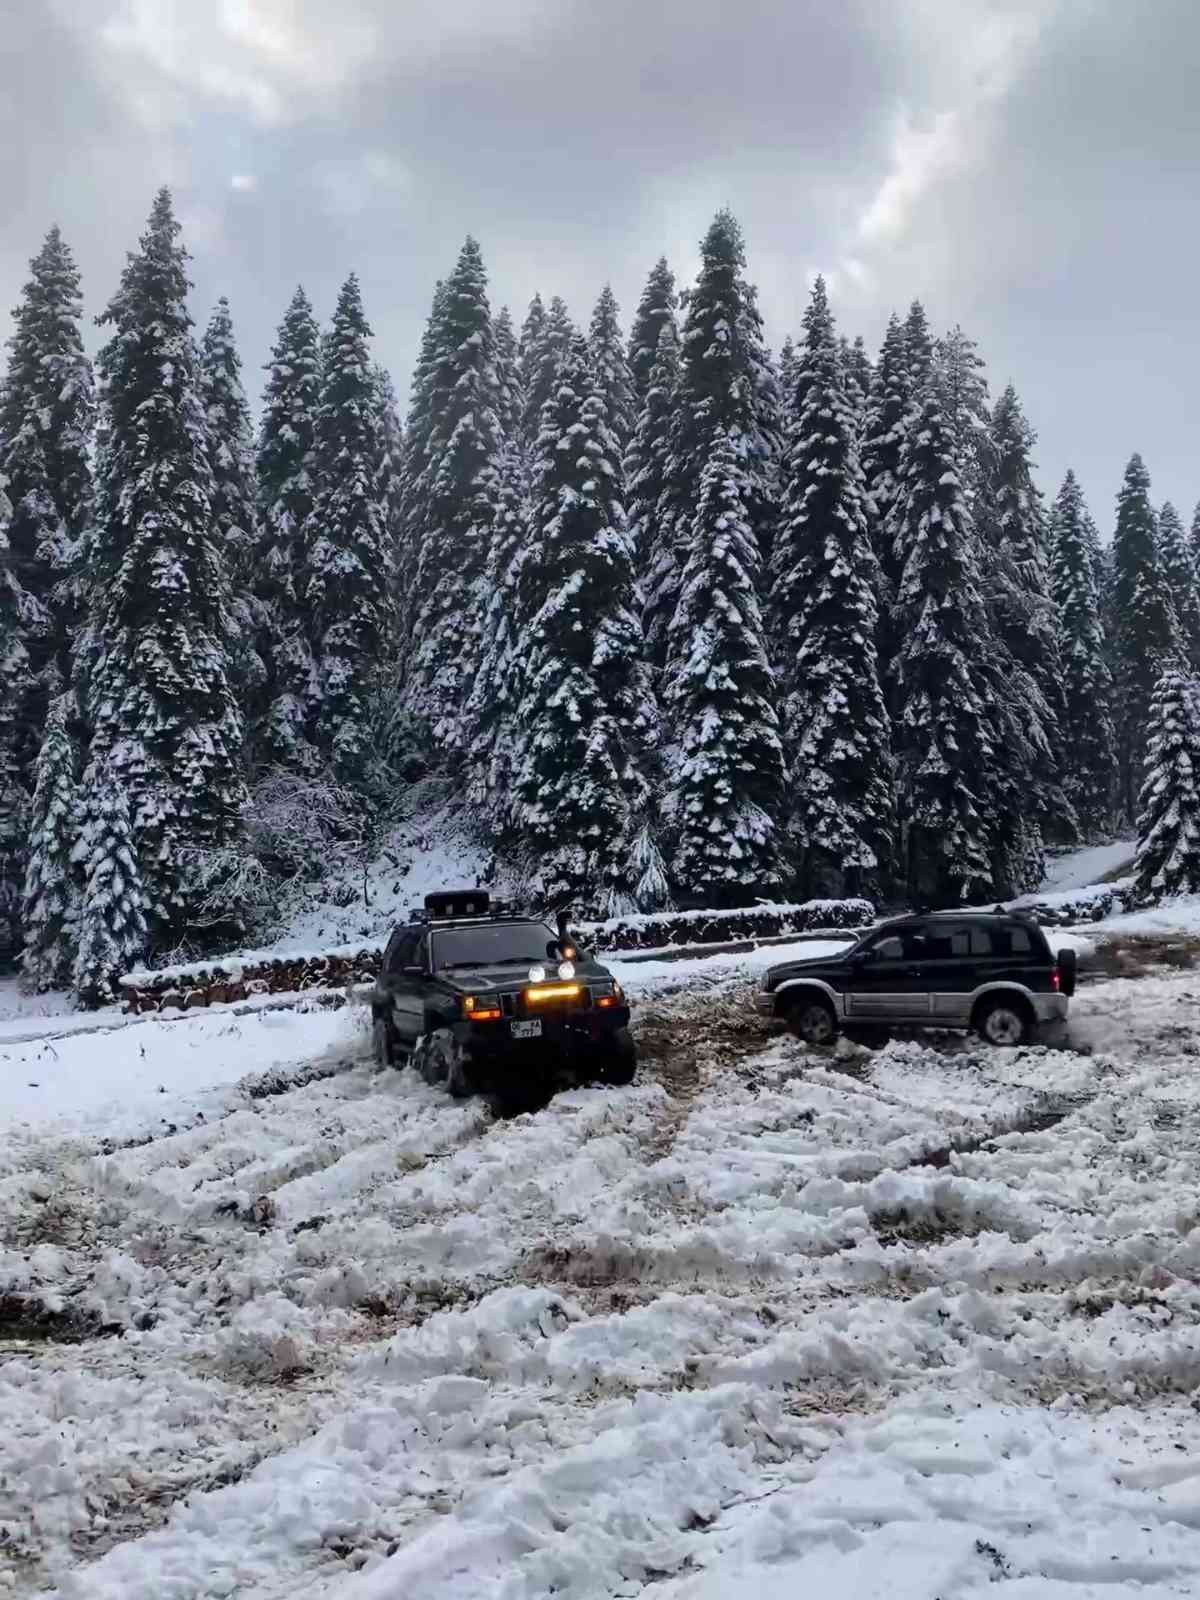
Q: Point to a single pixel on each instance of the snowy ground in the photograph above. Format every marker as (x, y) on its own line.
(769, 1323)
(1079, 869)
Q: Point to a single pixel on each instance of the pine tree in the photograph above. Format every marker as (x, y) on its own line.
(165, 724)
(582, 795)
(946, 720)
(50, 904)
(655, 309)
(47, 413)
(1179, 570)
(532, 330)
(606, 349)
(234, 513)
(1168, 858)
(415, 479)
(1089, 755)
(511, 402)
(788, 364)
(1145, 630)
(458, 497)
(726, 391)
(646, 467)
(725, 761)
(281, 574)
(113, 904)
(15, 688)
(860, 375)
(491, 712)
(835, 725)
(884, 435)
(918, 349)
(1017, 577)
(391, 458)
(540, 361)
(347, 542)
(1195, 538)
(959, 372)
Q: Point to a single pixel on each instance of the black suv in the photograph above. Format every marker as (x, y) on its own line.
(990, 971)
(486, 1000)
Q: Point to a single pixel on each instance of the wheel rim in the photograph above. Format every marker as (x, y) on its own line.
(816, 1025)
(1003, 1026)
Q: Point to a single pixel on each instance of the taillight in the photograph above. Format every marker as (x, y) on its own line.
(1055, 979)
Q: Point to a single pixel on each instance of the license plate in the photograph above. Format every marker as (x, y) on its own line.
(527, 1030)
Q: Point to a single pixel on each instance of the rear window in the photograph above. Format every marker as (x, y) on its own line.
(1012, 941)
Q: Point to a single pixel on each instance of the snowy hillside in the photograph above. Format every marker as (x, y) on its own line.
(769, 1322)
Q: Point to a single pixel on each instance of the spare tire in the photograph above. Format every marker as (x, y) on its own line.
(1068, 970)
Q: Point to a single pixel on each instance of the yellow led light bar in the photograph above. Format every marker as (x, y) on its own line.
(554, 991)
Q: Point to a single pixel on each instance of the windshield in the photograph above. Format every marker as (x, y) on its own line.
(491, 946)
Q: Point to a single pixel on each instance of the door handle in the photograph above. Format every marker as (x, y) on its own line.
(912, 972)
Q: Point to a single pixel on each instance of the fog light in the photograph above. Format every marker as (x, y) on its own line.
(566, 969)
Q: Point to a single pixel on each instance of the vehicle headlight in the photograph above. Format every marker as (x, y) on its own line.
(537, 974)
(566, 969)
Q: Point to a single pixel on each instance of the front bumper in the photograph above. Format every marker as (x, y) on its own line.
(764, 1003)
(563, 1032)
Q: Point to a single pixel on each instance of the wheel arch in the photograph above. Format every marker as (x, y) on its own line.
(793, 990)
(1015, 993)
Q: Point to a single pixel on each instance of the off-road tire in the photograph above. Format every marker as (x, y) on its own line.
(443, 1063)
(813, 1020)
(618, 1059)
(385, 1045)
(1004, 1022)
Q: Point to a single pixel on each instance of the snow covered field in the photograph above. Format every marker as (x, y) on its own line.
(769, 1323)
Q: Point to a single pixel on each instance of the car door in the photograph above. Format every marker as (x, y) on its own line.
(408, 991)
(949, 969)
(883, 985)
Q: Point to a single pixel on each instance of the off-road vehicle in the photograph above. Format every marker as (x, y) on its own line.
(484, 999)
(992, 972)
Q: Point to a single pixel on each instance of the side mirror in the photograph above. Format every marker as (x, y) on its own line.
(865, 957)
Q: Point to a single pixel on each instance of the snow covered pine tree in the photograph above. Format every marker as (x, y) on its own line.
(453, 507)
(583, 709)
(727, 391)
(725, 758)
(47, 412)
(347, 541)
(1168, 858)
(281, 575)
(946, 718)
(1089, 746)
(167, 734)
(231, 457)
(112, 910)
(1145, 635)
(824, 607)
(51, 902)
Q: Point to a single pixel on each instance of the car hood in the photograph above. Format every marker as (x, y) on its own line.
(482, 980)
(795, 969)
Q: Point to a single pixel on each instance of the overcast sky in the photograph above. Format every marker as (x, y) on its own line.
(1029, 168)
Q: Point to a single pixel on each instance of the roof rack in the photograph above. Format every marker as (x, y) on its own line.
(463, 905)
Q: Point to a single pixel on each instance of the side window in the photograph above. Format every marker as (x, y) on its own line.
(1011, 941)
(889, 949)
(948, 941)
(401, 952)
